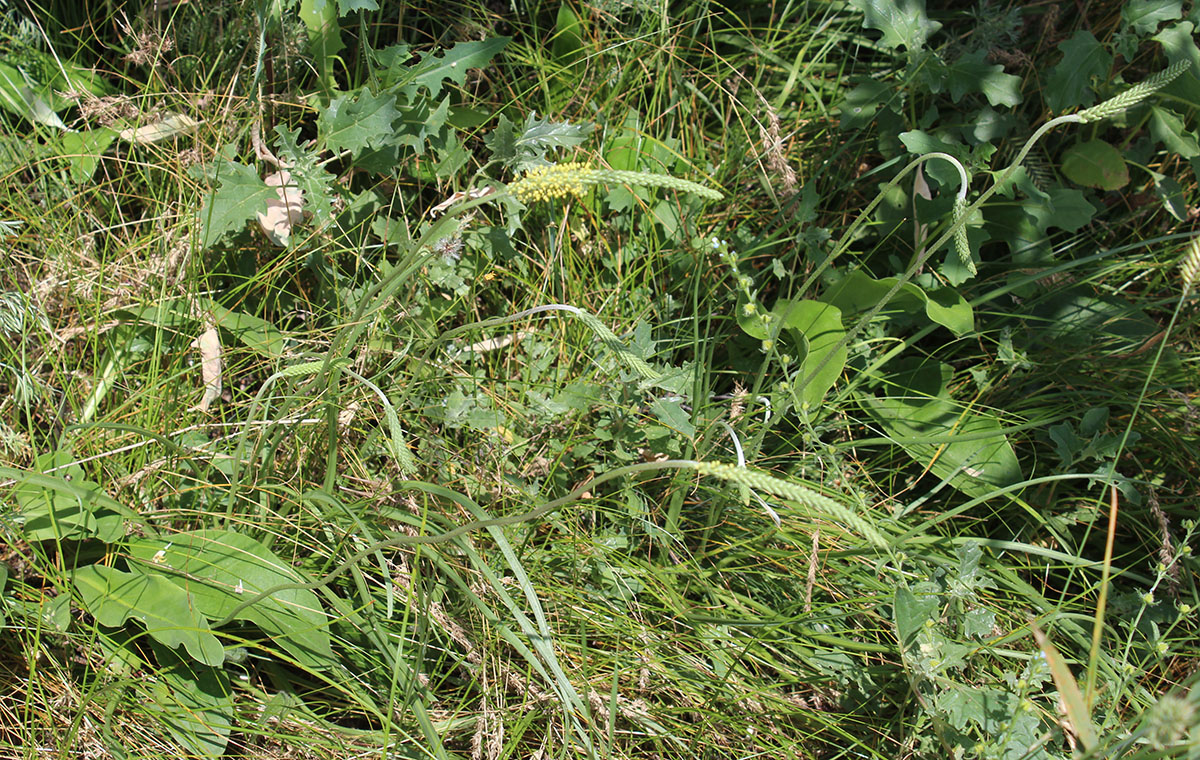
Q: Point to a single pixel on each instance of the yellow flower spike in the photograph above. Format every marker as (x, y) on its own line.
(560, 180)
(547, 182)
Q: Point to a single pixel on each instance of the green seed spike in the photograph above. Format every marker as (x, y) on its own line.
(1189, 270)
(960, 235)
(558, 181)
(761, 481)
(1135, 94)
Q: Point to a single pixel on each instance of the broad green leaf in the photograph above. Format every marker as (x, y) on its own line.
(65, 504)
(821, 325)
(1096, 164)
(83, 150)
(240, 197)
(917, 412)
(1070, 82)
(911, 613)
(624, 149)
(346, 7)
(1169, 129)
(165, 609)
(568, 54)
(31, 85)
(858, 292)
(1179, 43)
(903, 22)
(222, 569)
(972, 73)
(196, 702)
(1019, 229)
(1170, 193)
(920, 142)
(258, 335)
(861, 103)
(1063, 207)
(324, 37)
(358, 121)
(23, 97)
(1144, 16)
(1075, 319)
(567, 46)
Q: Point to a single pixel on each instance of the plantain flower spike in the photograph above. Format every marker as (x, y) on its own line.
(561, 180)
(1189, 270)
(1135, 94)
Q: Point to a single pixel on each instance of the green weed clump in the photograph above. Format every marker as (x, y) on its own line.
(617, 380)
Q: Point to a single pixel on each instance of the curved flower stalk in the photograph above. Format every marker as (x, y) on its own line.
(560, 180)
(957, 230)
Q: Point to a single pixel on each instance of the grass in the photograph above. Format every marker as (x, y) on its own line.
(851, 598)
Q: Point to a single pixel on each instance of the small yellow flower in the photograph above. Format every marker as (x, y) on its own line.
(547, 182)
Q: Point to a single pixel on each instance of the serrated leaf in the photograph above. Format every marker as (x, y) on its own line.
(1168, 128)
(241, 195)
(419, 123)
(433, 69)
(972, 73)
(903, 22)
(1144, 16)
(113, 596)
(307, 174)
(527, 150)
(391, 65)
(1065, 208)
(1070, 82)
(1097, 164)
(502, 141)
(990, 709)
(911, 613)
(673, 415)
(978, 623)
(358, 121)
(222, 569)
